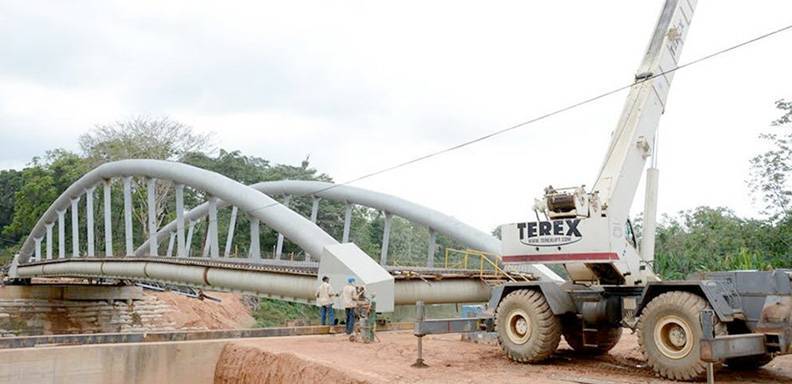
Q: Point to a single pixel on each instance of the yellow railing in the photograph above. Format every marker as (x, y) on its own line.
(471, 259)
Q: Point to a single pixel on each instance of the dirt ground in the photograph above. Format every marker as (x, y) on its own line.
(333, 358)
(188, 313)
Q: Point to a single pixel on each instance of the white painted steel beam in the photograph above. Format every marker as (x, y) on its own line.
(255, 246)
(61, 234)
(188, 241)
(108, 218)
(75, 224)
(347, 222)
(49, 240)
(230, 234)
(37, 240)
(151, 203)
(170, 245)
(210, 247)
(386, 239)
(279, 244)
(89, 221)
(127, 214)
(280, 285)
(181, 250)
(315, 208)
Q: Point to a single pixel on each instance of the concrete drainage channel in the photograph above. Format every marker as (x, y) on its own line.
(153, 357)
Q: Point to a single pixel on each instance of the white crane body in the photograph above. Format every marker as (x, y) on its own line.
(738, 318)
(588, 231)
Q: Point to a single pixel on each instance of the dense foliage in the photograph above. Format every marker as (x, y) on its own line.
(712, 239)
(709, 239)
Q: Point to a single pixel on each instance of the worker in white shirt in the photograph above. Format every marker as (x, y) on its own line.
(348, 299)
(324, 299)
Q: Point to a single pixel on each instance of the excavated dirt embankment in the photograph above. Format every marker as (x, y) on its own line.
(153, 311)
(239, 364)
(333, 359)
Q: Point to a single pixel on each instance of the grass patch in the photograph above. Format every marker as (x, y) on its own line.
(275, 313)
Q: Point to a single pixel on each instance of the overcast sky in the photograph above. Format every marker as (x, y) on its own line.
(361, 85)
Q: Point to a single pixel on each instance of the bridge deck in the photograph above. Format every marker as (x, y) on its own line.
(275, 279)
(305, 268)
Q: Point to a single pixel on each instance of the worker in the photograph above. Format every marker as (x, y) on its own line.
(324, 299)
(348, 299)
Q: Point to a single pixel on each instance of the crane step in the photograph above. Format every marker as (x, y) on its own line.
(590, 334)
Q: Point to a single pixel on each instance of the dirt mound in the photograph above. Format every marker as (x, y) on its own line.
(188, 313)
(243, 364)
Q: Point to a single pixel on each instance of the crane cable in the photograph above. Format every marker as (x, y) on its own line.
(546, 115)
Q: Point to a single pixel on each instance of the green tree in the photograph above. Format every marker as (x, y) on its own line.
(11, 181)
(142, 137)
(40, 183)
(711, 239)
(770, 171)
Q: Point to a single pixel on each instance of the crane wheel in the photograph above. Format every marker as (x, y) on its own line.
(669, 332)
(606, 338)
(527, 330)
(748, 363)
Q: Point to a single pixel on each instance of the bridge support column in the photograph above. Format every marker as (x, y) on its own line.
(279, 245)
(180, 243)
(75, 222)
(315, 209)
(386, 239)
(188, 242)
(230, 235)
(37, 240)
(61, 235)
(151, 201)
(430, 254)
(347, 222)
(89, 220)
(314, 217)
(108, 221)
(255, 247)
(130, 250)
(170, 244)
(49, 240)
(211, 238)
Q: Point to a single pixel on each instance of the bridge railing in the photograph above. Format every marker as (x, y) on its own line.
(482, 262)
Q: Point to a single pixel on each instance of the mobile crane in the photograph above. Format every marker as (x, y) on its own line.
(740, 318)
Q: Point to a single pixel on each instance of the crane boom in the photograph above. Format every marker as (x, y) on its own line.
(633, 140)
(589, 231)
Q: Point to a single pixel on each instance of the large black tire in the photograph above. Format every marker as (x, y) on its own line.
(669, 332)
(527, 330)
(606, 338)
(748, 363)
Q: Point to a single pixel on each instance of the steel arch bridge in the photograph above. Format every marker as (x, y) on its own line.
(283, 279)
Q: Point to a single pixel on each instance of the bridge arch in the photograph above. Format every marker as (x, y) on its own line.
(432, 219)
(260, 206)
(437, 221)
